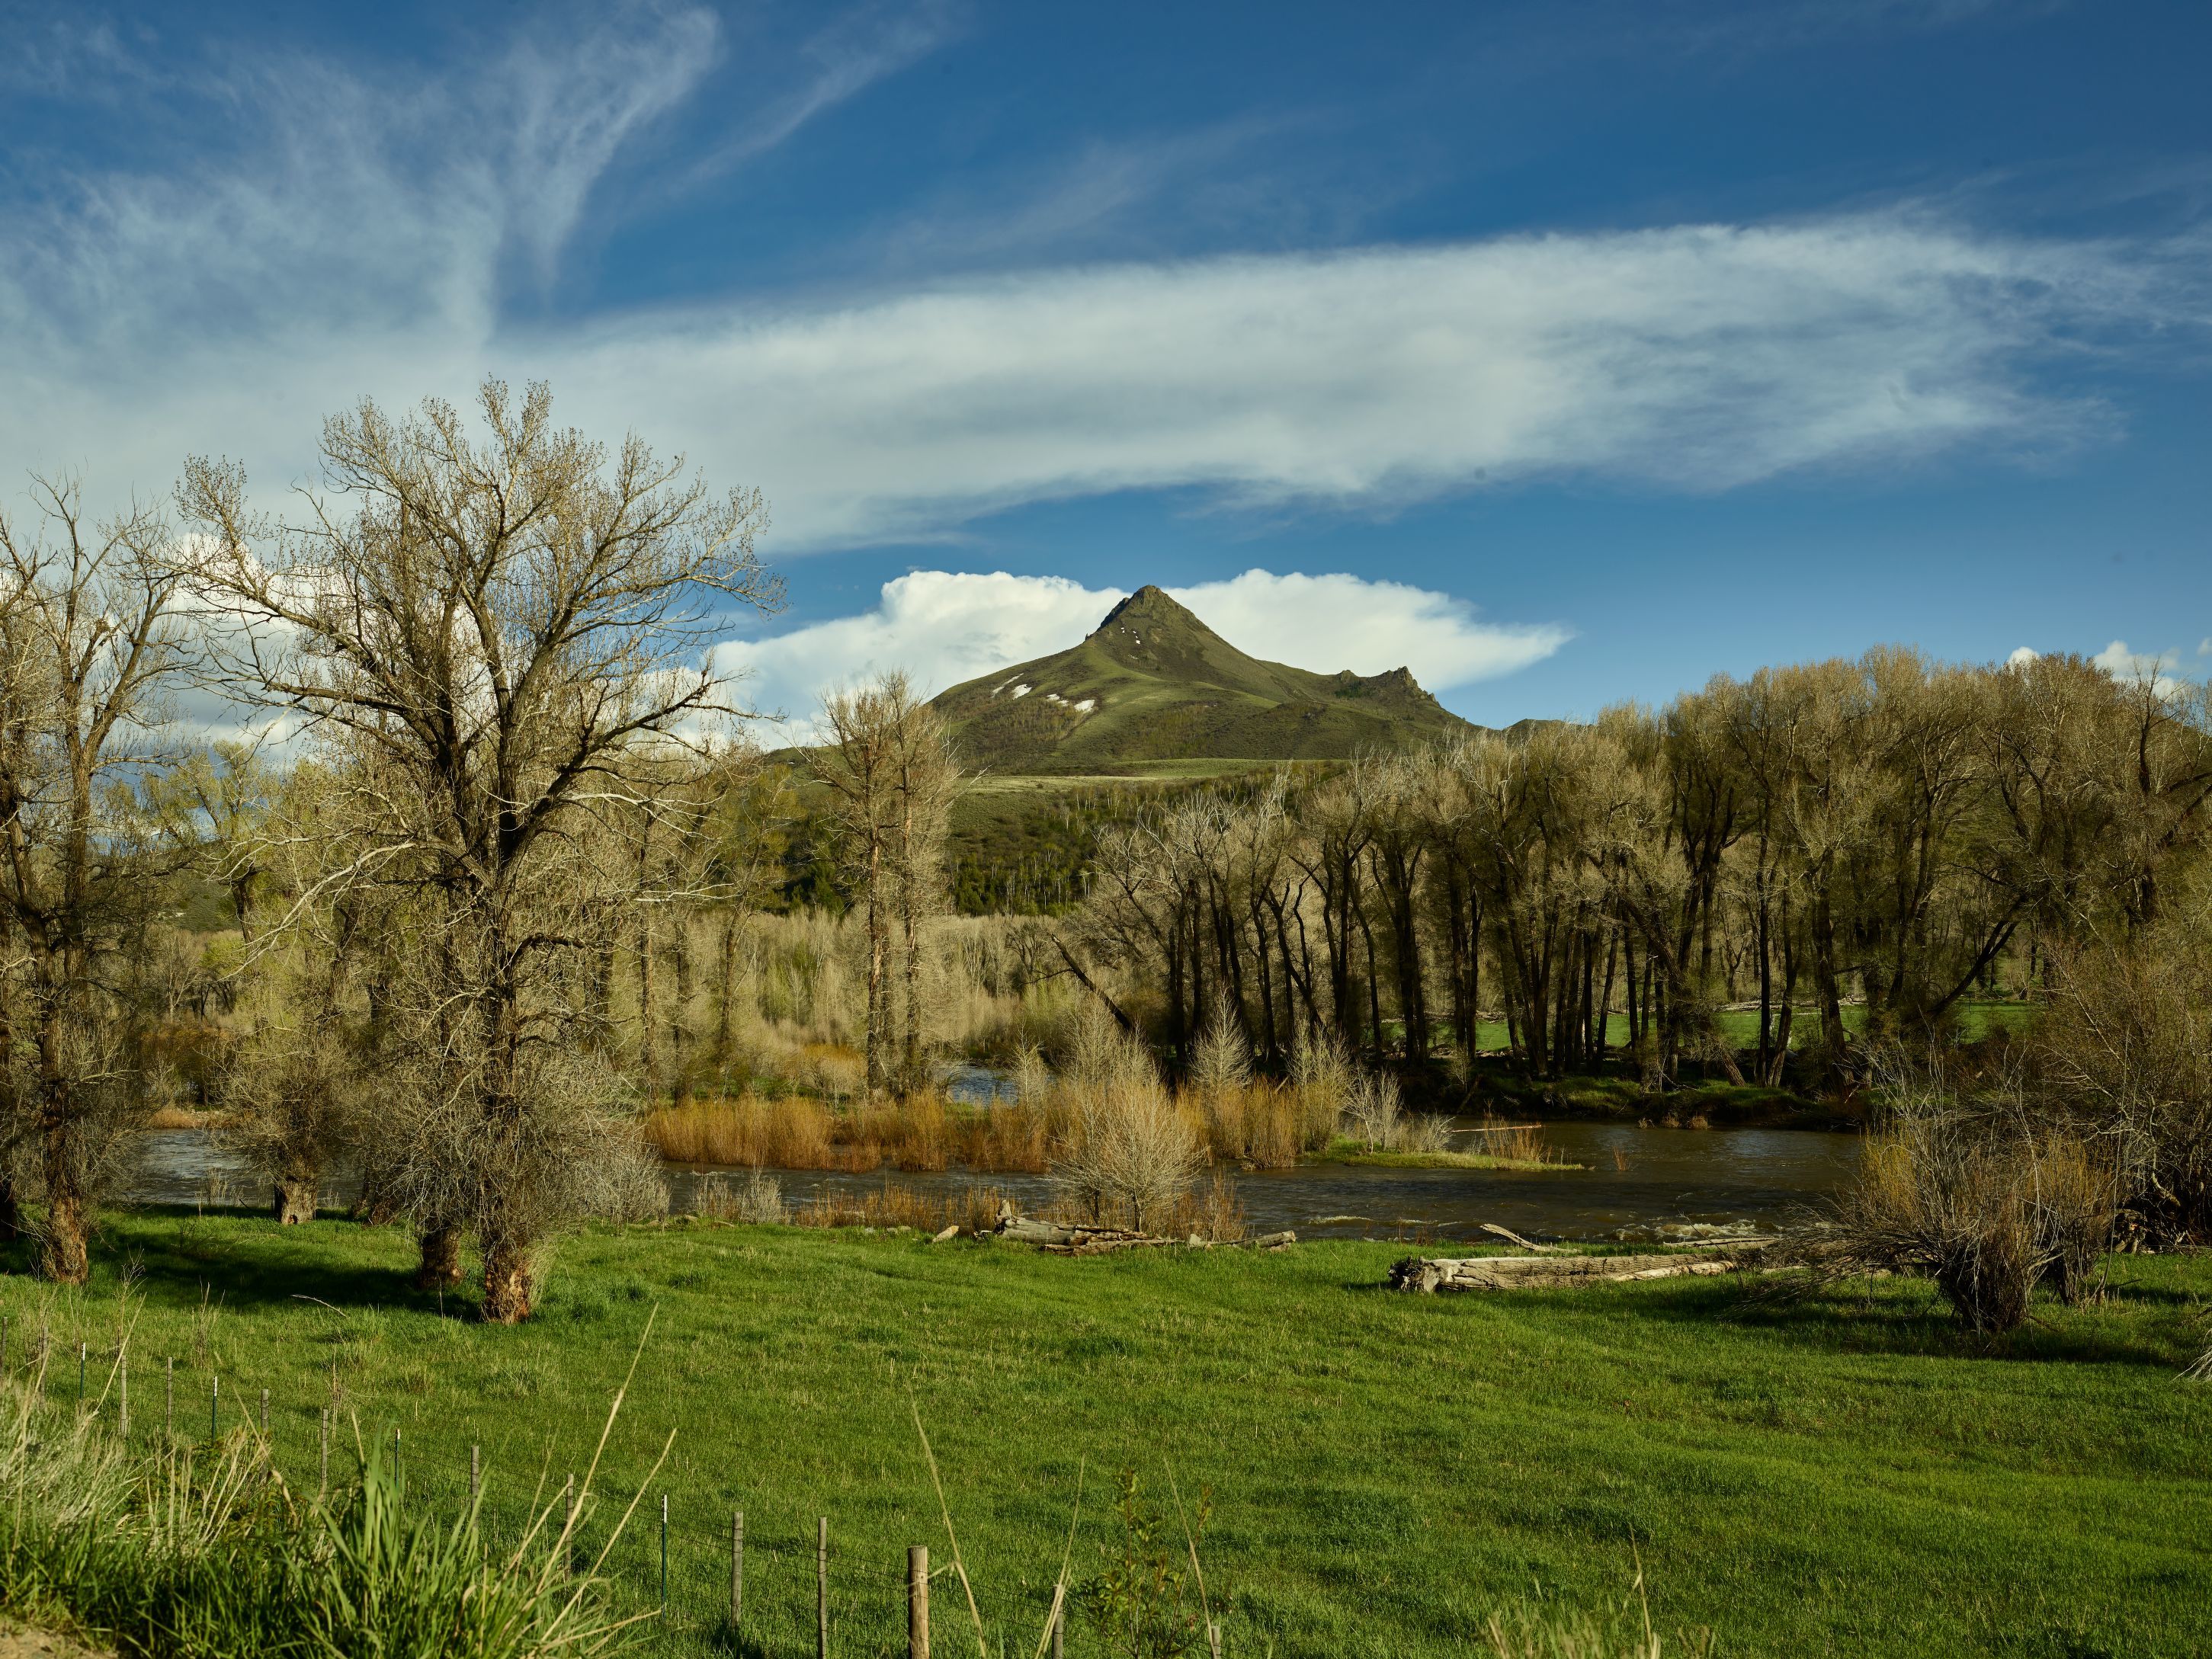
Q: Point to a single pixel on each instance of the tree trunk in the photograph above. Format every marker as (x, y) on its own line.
(510, 1283)
(910, 924)
(11, 1211)
(878, 1033)
(296, 1199)
(63, 1257)
(1825, 976)
(726, 1030)
(439, 1267)
(679, 1016)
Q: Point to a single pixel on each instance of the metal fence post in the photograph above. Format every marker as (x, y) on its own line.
(822, 1588)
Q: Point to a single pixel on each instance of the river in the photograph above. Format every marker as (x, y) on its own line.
(1636, 1183)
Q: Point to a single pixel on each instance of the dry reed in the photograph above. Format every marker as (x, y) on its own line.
(973, 1209)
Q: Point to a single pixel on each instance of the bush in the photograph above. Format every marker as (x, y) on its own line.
(2125, 1050)
(1123, 1147)
(1374, 1117)
(1978, 1197)
(757, 1201)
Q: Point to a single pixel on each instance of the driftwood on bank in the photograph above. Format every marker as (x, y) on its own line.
(1097, 1241)
(1429, 1274)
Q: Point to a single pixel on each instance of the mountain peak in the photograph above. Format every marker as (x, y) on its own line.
(1151, 606)
(1153, 682)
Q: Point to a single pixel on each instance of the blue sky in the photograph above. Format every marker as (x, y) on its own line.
(1589, 348)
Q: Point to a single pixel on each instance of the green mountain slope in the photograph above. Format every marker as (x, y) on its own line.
(1155, 683)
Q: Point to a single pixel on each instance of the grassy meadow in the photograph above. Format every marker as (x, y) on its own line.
(1842, 1475)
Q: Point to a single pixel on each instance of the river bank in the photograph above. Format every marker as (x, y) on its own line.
(1631, 1183)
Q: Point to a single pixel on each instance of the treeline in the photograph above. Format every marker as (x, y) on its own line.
(1890, 836)
(1028, 851)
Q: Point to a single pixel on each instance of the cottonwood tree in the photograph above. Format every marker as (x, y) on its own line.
(925, 778)
(695, 836)
(496, 640)
(217, 804)
(890, 777)
(91, 638)
(853, 766)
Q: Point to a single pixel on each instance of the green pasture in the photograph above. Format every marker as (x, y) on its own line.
(1841, 1475)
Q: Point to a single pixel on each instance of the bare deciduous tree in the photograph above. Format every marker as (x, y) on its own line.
(493, 638)
(90, 638)
(891, 776)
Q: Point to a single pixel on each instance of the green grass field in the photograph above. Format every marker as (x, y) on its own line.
(1845, 1476)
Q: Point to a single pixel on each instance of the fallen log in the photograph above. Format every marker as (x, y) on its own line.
(1072, 1240)
(1080, 1240)
(1429, 1274)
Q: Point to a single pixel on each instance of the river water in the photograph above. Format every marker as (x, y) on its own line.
(1635, 1184)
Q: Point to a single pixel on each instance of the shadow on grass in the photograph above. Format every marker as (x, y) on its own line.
(1910, 1318)
(1903, 1318)
(177, 1256)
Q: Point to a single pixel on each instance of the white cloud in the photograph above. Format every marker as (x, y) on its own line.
(944, 627)
(364, 244)
(940, 627)
(2023, 655)
(2134, 667)
(1332, 621)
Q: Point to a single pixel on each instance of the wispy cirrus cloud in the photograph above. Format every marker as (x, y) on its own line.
(366, 243)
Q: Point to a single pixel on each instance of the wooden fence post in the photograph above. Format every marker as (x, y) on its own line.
(822, 1588)
(917, 1602)
(215, 1407)
(264, 1416)
(169, 1419)
(323, 1465)
(476, 1474)
(1059, 1628)
(664, 1555)
(737, 1570)
(123, 1394)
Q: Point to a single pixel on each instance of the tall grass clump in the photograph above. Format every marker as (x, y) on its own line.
(211, 1555)
(1538, 1629)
